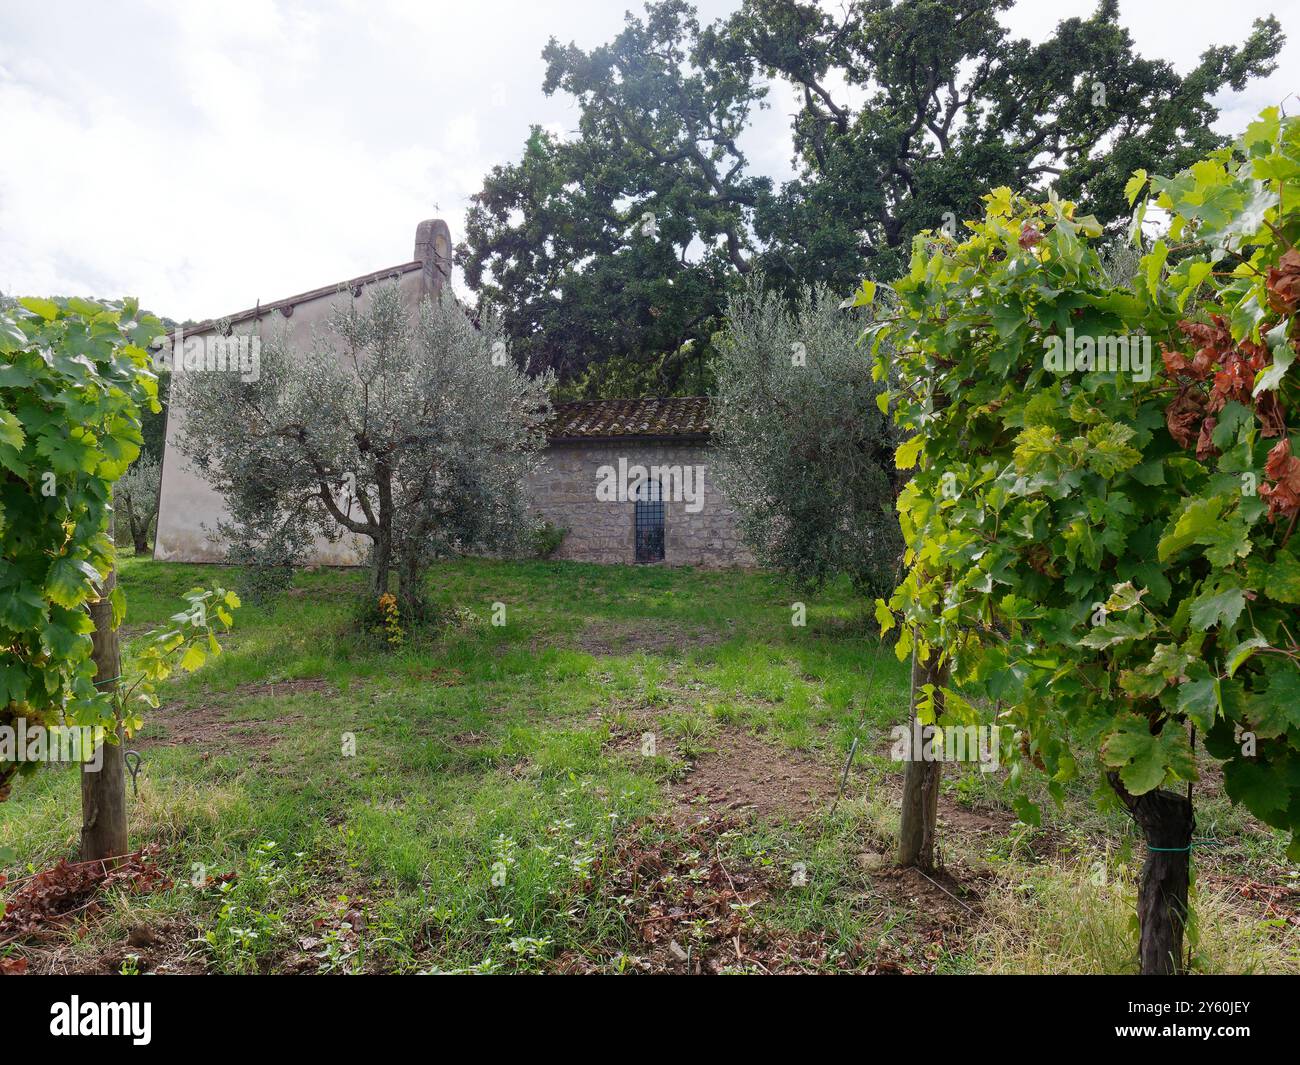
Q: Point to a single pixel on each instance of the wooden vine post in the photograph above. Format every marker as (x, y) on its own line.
(921, 778)
(103, 780)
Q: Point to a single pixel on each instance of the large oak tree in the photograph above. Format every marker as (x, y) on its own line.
(622, 241)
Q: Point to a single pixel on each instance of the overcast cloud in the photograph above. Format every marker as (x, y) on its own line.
(205, 155)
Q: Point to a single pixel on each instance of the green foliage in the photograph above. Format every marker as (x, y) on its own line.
(410, 428)
(190, 637)
(947, 104)
(1088, 547)
(74, 375)
(137, 494)
(249, 925)
(909, 111)
(689, 371)
(804, 453)
(623, 240)
(547, 538)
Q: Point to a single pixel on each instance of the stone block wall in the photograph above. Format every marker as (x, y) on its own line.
(564, 491)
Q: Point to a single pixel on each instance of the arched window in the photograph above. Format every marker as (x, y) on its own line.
(649, 522)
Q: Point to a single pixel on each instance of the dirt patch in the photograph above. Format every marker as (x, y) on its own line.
(209, 727)
(278, 689)
(742, 775)
(602, 637)
(46, 912)
(973, 821)
(165, 949)
(1255, 899)
(734, 774)
(697, 907)
(946, 899)
(941, 909)
(694, 910)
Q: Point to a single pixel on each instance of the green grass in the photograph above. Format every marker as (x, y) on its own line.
(496, 787)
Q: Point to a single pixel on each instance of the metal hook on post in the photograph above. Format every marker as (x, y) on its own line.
(133, 769)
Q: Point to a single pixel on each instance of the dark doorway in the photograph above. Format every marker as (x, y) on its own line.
(649, 523)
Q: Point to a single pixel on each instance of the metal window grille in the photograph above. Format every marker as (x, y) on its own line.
(649, 523)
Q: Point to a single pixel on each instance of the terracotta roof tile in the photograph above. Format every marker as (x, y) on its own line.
(677, 416)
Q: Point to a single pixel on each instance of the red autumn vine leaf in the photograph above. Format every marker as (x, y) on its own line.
(1215, 342)
(1205, 448)
(1183, 416)
(1284, 283)
(1191, 415)
(1283, 469)
(1271, 419)
(1237, 377)
(48, 898)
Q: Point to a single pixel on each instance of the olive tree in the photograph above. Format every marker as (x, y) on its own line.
(413, 429)
(806, 456)
(137, 497)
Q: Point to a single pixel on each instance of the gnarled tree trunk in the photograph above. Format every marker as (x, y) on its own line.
(1167, 821)
(381, 519)
(381, 562)
(916, 830)
(409, 592)
(137, 524)
(140, 533)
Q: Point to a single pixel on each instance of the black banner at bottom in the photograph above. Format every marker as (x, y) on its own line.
(179, 1014)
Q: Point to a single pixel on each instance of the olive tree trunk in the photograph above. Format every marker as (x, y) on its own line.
(140, 535)
(136, 523)
(921, 776)
(381, 521)
(1167, 822)
(411, 571)
(103, 789)
(381, 562)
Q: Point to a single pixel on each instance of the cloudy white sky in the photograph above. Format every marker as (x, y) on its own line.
(205, 155)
